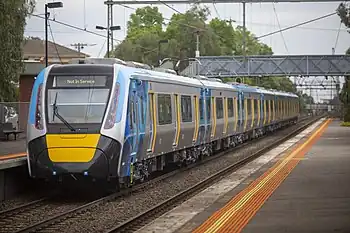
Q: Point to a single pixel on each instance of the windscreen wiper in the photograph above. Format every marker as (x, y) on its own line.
(55, 113)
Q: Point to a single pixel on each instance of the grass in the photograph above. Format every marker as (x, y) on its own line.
(346, 124)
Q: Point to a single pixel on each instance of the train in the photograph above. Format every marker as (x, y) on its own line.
(118, 122)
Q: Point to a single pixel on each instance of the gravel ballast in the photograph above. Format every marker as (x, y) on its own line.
(106, 216)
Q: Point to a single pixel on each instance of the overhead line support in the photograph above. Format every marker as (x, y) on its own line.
(147, 2)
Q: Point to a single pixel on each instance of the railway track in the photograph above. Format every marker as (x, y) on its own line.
(19, 217)
(149, 215)
(50, 223)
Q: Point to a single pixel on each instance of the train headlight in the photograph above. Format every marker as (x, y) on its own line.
(112, 113)
(38, 110)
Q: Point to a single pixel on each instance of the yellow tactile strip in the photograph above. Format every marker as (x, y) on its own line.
(13, 156)
(237, 213)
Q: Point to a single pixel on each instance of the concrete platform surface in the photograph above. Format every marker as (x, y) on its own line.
(12, 153)
(192, 213)
(12, 147)
(315, 197)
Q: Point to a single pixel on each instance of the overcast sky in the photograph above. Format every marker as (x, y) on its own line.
(315, 38)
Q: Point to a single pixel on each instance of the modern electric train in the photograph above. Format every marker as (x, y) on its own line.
(118, 122)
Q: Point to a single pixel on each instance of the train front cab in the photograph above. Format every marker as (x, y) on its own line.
(67, 111)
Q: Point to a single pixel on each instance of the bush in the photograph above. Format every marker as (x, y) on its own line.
(346, 124)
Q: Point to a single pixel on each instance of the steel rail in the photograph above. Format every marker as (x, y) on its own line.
(139, 187)
(22, 208)
(143, 218)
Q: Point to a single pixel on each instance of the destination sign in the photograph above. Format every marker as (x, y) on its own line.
(80, 81)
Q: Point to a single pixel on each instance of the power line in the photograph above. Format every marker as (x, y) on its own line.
(178, 23)
(337, 38)
(170, 7)
(296, 25)
(279, 26)
(53, 40)
(88, 31)
(72, 26)
(99, 53)
(254, 23)
(216, 10)
(79, 46)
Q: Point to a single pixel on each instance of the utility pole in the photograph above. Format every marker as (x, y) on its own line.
(197, 44)
(79, 46)
(244, 36)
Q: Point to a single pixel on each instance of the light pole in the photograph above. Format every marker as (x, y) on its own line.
(49, 5)
(109, 30)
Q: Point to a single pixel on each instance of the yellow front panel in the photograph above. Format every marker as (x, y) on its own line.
(71, 147)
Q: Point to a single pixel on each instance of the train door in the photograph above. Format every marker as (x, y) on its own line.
(208, 115)
(202, 121)
(240, 111)
(261, 110)
(134, 145)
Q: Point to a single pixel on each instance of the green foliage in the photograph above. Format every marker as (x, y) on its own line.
(145, 20)
(217, 37)
(346, 124)
(12, 22)
(344, 14)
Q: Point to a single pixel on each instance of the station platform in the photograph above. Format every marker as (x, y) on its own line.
(12, 153)
(300, 186)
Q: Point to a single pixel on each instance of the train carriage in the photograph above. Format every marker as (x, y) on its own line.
(118, 122)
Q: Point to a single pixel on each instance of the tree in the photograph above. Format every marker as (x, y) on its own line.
(145, 20)
(218, 37)
(13, 14)
(344, 14)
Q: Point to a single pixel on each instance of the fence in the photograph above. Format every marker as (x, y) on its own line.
(16, 113)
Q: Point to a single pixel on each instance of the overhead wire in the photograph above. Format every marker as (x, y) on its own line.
(337, 38)
(254, 23)
(89, 31)
(279, 26)
(258, 37)
(74, 27)
(296, 25)
(103, 45)
(53, 40)
(216, 11)
(177, 11)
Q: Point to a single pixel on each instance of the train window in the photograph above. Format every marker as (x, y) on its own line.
(230, 107)
(208, 104)
(164, 109)
(142, 109)
(131, 114)
(201, 110)
(249, 107)
(186, 108)
(219, 108)
(239, 107)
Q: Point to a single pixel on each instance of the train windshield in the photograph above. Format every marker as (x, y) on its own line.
(77, 100)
